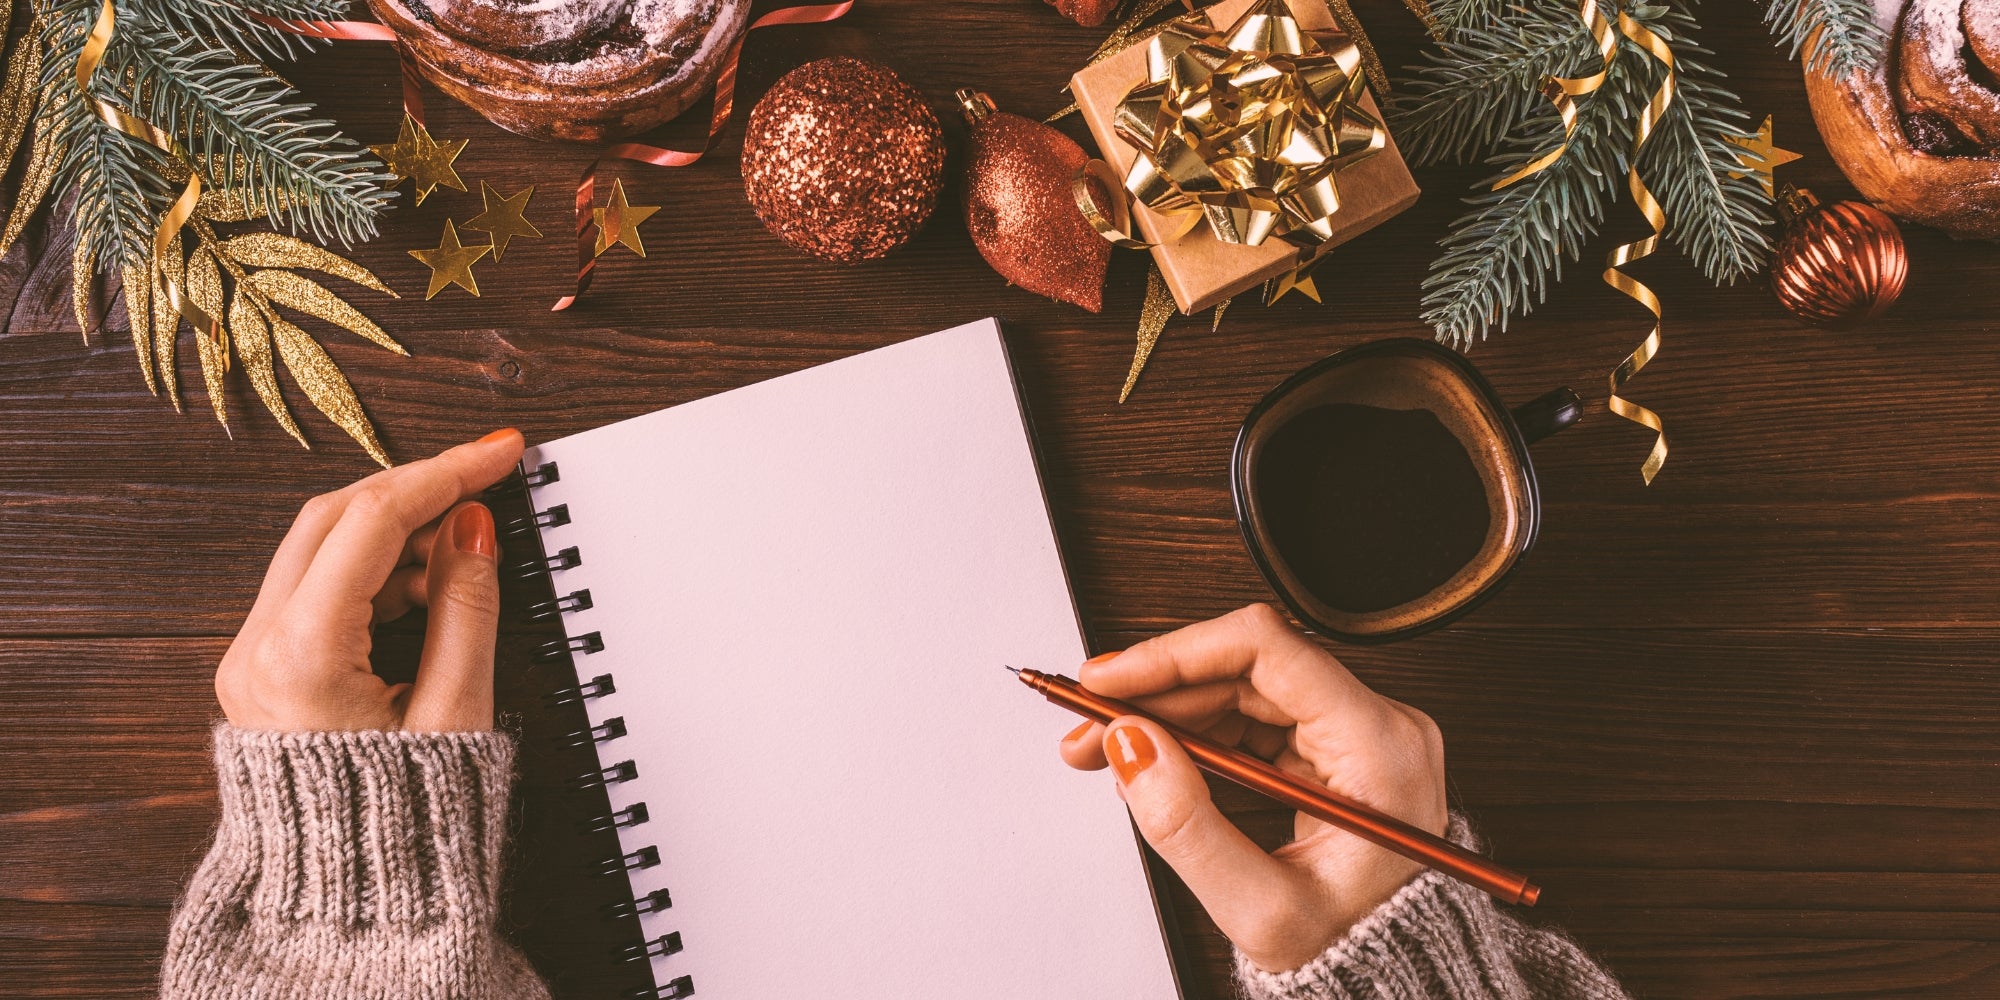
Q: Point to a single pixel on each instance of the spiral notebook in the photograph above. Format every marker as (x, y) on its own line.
(788, 607)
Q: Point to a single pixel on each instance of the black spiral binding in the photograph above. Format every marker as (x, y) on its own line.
(571, 648)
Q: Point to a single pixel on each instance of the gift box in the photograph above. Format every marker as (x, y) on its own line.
(1200, 269)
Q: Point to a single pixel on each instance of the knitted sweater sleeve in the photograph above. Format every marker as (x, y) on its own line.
(350, 866)
(1439, 938)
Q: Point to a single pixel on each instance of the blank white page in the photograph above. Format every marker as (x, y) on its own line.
(806, 590)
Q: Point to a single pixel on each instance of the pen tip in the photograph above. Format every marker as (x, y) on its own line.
(1016, 670)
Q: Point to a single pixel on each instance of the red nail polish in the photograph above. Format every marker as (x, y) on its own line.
(497, 435)
(472, 531)
(1077, 733)
(1103, 657)
(1130, 751)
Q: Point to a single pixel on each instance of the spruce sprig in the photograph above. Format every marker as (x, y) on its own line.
(1455, 15)
(1718, 220)
(229, 23)
(1839, 37)
(1482, 81)
(1501, 255)
(245, 125)
(248, 123)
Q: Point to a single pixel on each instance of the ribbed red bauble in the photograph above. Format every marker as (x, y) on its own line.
(1837, 264)
(1019, 207)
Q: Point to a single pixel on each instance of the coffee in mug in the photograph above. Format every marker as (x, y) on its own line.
(1385, 491)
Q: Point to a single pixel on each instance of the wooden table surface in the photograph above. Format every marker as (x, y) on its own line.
(1743, 724)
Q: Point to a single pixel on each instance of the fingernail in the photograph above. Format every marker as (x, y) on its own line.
(472, 531)
(1130, 751)
(497, 435)
(1077, 733)
(1102, 657)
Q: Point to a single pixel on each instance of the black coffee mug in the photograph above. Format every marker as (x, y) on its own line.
(1386, 490)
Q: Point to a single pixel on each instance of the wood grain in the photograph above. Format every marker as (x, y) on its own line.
(1740, 723)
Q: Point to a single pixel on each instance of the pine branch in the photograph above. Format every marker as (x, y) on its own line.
(1717, 220)
(1500, 258)
(228, 22)
(120, 184)
(1483, 81)
(1840, 37)
(119, 192)
(1454, 16)
(243, 120)
(240, 122)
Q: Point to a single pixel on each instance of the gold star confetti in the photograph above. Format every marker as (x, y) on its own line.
(503, 217)
(1760, 156)
(618, 222)
(451, 262)
(1289, 282)
(422, 159)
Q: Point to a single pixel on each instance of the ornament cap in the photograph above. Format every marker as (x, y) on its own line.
(974, 104)
(1794, 202)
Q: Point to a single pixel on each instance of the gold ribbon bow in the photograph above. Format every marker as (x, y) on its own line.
(1244, 127)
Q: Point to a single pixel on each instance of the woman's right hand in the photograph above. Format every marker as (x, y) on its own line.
(1250, 679)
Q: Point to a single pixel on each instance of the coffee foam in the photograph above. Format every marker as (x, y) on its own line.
(1411, 382)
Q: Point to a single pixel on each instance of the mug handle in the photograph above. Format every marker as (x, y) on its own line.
(1548, 413)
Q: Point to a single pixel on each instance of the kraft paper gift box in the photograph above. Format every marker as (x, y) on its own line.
(1200, 270)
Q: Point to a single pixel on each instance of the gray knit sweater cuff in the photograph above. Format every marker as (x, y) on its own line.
(1438, 938)
(351, 864)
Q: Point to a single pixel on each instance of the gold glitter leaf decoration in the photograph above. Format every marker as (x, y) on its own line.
(252, 337)
(310, 297)
(166, 324)
(227, 205)
(139, 315)
(204, 289)
(43, 159)
(279, 250)
(323, 383)
(18, 92)
(82, 275)
(1153, 316)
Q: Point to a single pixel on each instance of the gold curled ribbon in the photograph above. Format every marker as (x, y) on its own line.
(177, 214)
(1656, 216)
(1562, 92)
(1246, 127)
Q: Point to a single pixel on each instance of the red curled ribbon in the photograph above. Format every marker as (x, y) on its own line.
(725, 99)
(359, 31)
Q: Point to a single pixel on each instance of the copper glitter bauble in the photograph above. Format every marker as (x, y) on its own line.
(1019, 209)
(843, 160)
(1837, 264)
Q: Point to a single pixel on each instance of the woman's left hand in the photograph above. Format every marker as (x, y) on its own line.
(398, 539)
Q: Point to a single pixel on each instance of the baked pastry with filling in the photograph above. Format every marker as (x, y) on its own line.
(580, 70)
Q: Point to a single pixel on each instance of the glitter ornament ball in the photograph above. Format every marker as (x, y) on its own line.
(843, 160)
(1837, 264)
(1019, 208)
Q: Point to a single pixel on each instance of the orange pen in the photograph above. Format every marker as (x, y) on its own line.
(1410, 842)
